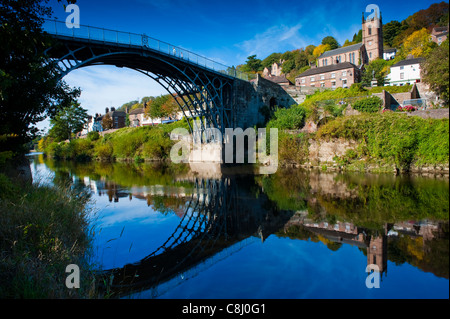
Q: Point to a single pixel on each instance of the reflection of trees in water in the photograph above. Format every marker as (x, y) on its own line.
(411, 213)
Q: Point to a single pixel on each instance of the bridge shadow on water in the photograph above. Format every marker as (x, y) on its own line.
(220, 215)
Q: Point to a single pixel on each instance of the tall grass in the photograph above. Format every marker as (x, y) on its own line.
(42, 230)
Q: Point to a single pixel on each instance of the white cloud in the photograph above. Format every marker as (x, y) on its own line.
(106, 86)
(278, 38)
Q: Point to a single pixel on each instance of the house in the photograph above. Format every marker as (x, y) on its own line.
(439, 34)
(331, 76)
(138, 118)
(274, 70)
(405, 72)
(118, 117)
(389, 54)
(281, 79)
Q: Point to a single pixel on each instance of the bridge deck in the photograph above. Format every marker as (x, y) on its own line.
(112, 39)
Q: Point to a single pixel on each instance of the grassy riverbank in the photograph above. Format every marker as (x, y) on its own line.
(43, 229)
(151, 143)
(372, 141)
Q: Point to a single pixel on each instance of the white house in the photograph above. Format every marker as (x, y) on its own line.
(389, 54)
(405, 72)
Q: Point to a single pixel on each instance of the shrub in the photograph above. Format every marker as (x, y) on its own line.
(93, 136)
(104, 151)
(394, 137)
(289, 119)
(368, 105)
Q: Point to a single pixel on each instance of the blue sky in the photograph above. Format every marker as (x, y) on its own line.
(225, 31)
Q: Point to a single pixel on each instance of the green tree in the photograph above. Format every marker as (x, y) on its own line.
(30, 89)
(435, 71)
(331, 41)
(271, 59)
(357, 37)
(252, 64)
(68, 121)
(390, 31)
(378, 68)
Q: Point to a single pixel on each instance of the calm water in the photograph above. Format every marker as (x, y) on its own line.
(163, 232)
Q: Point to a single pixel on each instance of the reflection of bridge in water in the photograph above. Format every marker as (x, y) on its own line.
(220, 215)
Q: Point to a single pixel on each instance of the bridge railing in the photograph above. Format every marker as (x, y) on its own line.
(56, 27)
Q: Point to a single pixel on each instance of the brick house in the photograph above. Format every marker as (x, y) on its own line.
(331, 76)
(439, 34)
(118, 117)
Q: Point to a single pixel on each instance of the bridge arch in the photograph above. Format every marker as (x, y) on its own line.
(201, 92)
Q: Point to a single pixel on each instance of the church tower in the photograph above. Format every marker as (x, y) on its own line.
(372, 36)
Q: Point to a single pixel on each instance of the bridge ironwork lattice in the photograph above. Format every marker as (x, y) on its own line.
(202, 87)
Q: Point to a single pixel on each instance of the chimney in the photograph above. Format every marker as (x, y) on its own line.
(113, 109)
(107, 110)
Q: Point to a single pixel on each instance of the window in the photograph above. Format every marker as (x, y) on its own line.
(370, 55)
(344, 73)
(344, 83)
(370, 42)
(402, 67)
(303, 80)
(325, 62)
(402, 75)
(333, 84)
(333, 75)
(322, 84)
(370, 30)
(322, 76)
(312, 79)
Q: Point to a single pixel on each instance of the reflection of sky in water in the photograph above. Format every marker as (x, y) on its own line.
(295, 269)
(129, 230)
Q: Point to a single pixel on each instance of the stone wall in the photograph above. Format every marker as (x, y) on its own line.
(251, 97)
(326, 151)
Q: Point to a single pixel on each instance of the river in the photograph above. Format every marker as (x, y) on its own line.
(164, 232)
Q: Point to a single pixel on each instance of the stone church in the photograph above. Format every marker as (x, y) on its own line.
(342, 67)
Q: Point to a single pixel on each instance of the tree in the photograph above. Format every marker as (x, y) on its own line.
(390, 31)
(271, 59)
(107, 122)
(320, 49)
(418, 44)
(378, 68)
(252, 64)
(162, 106)
(30, 89)
(435, 71)
(357, 37)
(68, 121)
(331, 41)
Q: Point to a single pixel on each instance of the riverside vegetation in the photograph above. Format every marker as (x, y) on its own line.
(384, 141)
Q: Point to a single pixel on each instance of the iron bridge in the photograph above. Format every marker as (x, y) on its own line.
(202, 87)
